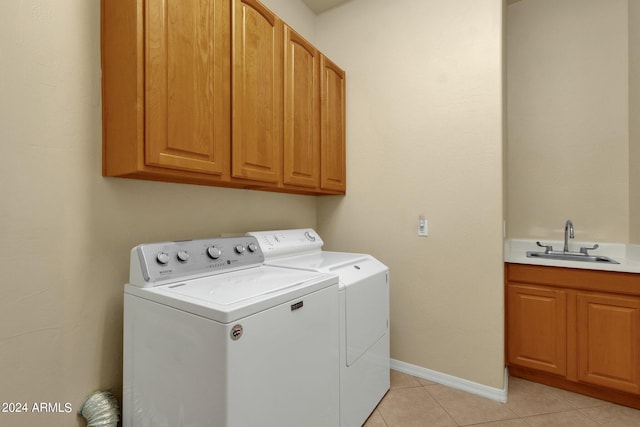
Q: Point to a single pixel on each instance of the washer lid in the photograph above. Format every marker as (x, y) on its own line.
(230, 296)
(350, 267)
(317, 261)
(235, 288)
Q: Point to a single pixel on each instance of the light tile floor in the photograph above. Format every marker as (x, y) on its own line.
(413, 401)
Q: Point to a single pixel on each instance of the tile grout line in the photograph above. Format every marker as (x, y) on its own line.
(580, 410)
(566, 406)
(515, 417)
(426, 387)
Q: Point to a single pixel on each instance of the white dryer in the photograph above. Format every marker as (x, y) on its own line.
(212, 337)
(364, 314)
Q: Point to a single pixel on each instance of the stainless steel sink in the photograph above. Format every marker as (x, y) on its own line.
(570, 256)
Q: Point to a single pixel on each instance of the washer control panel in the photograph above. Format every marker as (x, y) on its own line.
(165, 262)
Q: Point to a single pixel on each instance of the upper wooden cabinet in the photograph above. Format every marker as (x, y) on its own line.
(333, 158)
(257, 92)
(186, 85)
(166, 93)
(314, 140)
(216, 92)
(301, 112)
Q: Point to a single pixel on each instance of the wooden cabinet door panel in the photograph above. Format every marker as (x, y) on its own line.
(537, 331)
(187, 94)
(257, 116)
(333, 127)
(609, 341)
(301, 112)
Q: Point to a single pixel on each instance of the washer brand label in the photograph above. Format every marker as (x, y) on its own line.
(236, 332)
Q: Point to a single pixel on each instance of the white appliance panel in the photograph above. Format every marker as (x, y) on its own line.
(239, 286)
(367, 309)
(236, 294)
(364, 316)
(364, 383)
(322, 261)
(164, 375)
(366, 288)
(281, 243)
(303, 379)
(212, 337)
(179, 360)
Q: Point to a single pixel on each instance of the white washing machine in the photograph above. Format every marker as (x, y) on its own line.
(364, 314)
(212, 337)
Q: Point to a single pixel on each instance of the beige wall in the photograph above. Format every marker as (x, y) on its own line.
(65, 230)
(424, 132)
(634, 121)
(295, 14)
(568, 129)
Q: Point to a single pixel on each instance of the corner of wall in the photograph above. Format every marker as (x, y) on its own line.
(634, 122)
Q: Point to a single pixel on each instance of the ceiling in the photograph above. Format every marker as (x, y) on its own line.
(319, 6)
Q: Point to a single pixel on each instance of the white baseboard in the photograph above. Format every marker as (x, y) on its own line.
(499, 395)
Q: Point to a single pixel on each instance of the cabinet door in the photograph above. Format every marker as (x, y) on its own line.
(187, 90)
(257, 117)
(332, 166)
(301, 112)
(537, 328)
(609, 341)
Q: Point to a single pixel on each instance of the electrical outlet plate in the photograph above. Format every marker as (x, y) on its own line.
(423, 226)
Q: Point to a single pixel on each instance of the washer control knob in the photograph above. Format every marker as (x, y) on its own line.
(213, 252)
(310, 237)
(183, 256)
(162, 258)
(252, 247)
(239, 249)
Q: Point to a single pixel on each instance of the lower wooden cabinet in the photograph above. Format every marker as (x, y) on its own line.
(575, 329)
(537, 319)
(608, 341)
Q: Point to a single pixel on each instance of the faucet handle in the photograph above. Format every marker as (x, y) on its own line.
(547, 248)
(583, 250)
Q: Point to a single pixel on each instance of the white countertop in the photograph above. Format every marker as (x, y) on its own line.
(515, 251)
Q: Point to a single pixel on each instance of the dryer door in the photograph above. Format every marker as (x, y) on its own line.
(366, 288)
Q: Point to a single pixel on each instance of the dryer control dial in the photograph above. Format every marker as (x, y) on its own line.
(239, 249)
(252, 247)
(183, 256)
(162, 258)
(213, 252)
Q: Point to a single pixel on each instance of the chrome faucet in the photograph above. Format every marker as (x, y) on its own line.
(568, 233)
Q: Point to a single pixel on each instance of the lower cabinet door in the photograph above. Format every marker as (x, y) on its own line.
(537, 328)
(609, 341)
